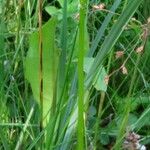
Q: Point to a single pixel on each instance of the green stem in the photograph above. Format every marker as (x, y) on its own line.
(82, 23)
(102, 98)
(41, 67)
(127, 107)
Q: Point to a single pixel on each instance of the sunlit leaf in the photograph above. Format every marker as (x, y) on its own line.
(50, 61)
(72, 10)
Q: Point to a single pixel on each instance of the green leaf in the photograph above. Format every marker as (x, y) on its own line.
(72, 9)
(53, 11)
(50, 64)
(99, 81)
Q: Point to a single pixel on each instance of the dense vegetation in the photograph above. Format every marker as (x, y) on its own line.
(74, 74)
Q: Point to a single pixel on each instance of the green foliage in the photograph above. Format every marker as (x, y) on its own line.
(80, 44)
(72, 10)
(99, 82)
(50, 65)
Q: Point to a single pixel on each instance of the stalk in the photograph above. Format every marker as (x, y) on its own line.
(127, 107)
(101, 103)
(41, 62)
(82, 23)
(102, 98)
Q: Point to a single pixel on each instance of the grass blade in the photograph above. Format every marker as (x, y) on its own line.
(103, 27)
(82, 23)
(112, 38)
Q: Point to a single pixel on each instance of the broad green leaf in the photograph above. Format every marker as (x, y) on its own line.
(52, 10)
(99, 81)
(50, 62)
(72, 10)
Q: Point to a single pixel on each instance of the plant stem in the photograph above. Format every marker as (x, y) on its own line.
(127, 107)
(41, 63)
(82, 23)
(102, 98)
